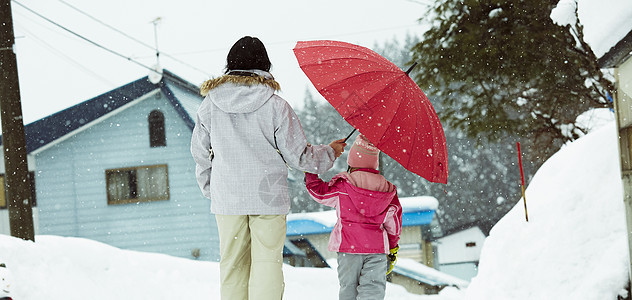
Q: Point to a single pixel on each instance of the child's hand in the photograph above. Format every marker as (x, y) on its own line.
(392, 259)
(338, 146)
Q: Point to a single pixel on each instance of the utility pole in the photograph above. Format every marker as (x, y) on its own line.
(17, 181)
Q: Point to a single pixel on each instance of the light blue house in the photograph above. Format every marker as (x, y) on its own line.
(117, 169)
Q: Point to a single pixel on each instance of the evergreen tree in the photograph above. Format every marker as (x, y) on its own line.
(503, 67)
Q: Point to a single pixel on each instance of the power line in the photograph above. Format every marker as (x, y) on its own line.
(83, 38)
(131, 37)
(107, 25)
(152, 48)
(62, 55)
(314, 38)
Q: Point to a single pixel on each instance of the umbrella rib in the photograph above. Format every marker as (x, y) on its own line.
(399, 104)
(320, 62)
(414, 140)
(362, 50)
(378, 92)
(361, 74)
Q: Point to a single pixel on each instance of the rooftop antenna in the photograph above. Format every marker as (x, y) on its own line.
(155, 75)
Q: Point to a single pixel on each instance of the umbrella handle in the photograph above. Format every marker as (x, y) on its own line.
(411, 68)
(354, 130)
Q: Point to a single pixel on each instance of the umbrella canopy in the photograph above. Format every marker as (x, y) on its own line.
(381, 101)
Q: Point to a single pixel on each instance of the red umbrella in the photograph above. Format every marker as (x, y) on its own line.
(381, 101)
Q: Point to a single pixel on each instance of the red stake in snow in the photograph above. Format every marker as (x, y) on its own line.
(522, 178)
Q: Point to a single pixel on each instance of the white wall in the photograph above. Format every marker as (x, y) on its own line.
(624, 76)
(460, 252)
(453, 248)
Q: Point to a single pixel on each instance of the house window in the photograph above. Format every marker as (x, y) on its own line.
(3, 191)
(137, 184)
(156, 122)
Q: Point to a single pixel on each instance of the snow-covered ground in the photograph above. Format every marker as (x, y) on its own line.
(78, 269)
(573, 247)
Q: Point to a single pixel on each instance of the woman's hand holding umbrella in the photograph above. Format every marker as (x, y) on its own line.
(338, 146)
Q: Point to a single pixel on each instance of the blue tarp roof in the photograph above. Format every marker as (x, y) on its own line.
(306, 227)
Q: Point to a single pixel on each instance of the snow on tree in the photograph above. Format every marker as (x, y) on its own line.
(504, 67)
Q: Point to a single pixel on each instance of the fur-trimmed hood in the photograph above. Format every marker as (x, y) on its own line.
(240, 94)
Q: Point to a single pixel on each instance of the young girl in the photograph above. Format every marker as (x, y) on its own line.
(369, 222)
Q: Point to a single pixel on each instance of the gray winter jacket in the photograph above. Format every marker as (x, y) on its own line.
(239, 128)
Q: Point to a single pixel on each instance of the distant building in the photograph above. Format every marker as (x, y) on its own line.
(117, 169)
(300, 252)
(420, 279)
(460, 250)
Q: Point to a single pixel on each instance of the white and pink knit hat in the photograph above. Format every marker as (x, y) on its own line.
(363, 154)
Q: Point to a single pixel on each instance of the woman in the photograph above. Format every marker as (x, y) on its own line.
(244, 137)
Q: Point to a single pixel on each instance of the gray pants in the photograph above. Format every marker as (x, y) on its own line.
(362, 276)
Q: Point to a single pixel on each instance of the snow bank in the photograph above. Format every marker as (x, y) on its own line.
(605, 22)
(574, 245)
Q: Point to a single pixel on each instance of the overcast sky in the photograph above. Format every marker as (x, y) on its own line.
(58, 69)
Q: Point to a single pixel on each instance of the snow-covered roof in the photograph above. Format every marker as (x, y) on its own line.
(181, 94)
(606, 22)
(325, 218)
(427, 275)
(421, 203)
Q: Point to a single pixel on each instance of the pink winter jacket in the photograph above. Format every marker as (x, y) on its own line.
(368, 210)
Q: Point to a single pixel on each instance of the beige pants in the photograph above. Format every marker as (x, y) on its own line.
(251, 251)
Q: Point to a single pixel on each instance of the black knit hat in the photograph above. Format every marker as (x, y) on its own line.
(248, 53)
